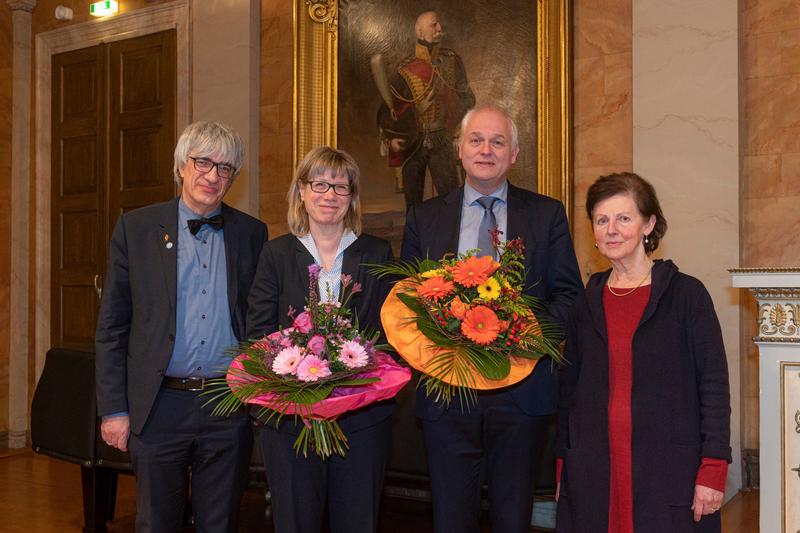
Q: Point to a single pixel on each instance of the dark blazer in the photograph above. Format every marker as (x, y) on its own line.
(136, 325)
(432, 229)
(281, 281)
(680, 406)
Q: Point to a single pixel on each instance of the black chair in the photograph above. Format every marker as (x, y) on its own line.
(64, 425)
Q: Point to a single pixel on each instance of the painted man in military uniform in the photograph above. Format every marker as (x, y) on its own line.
(429, 95)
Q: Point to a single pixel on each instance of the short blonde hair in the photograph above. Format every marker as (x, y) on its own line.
(316, 163)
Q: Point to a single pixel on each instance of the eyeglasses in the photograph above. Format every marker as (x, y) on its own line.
(321, 187)
(224, 170)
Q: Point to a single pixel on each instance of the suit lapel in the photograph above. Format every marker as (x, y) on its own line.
(446, 228)
(352, 260)
(517, 223)
(302, 259)
(230, 234)
(167, 236)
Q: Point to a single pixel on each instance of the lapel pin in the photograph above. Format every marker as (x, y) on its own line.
(169, 245)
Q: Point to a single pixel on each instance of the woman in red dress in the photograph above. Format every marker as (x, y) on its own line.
(644, 406)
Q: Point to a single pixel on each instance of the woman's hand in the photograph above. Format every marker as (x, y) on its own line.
(706, 501)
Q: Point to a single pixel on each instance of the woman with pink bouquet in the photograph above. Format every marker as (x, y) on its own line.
(325, 223)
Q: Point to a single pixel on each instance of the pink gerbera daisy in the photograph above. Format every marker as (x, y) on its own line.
(287, 360)
(312, 368)
(353, 355)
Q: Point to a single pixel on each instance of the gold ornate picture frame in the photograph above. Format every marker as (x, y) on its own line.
(315, 71)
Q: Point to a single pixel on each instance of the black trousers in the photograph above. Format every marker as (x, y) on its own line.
(493, 442)
(301, 486)
(182, 437)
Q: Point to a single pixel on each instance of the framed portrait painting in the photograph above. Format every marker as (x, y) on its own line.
(359, 65)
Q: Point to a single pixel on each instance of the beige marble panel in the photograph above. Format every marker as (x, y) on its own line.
(790, 175)
(773, 239)
(601, 28)
(275, 157)
(761, 16)
(225, 81)
(761, 175)
(773, 114)
(686, 142)
(603, 120)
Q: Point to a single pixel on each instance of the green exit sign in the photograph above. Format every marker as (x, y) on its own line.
(101, 9)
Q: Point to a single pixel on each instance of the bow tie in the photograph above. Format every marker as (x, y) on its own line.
(196, 223)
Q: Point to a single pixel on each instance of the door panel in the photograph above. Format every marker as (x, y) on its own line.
(78, 160)
(113, 134)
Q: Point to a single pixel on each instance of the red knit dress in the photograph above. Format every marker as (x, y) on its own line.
(623, 314)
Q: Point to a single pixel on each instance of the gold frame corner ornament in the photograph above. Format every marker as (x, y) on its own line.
(315, 92)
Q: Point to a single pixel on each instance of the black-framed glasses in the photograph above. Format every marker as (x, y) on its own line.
(321, 187)
(224, 170)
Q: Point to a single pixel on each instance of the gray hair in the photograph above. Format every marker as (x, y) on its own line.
(204, 139)
(469, 114)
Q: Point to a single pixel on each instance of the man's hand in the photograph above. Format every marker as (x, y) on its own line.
(115, 431)
(397, 145)
(706, 501)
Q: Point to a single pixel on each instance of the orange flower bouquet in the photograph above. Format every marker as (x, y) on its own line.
(465, 322)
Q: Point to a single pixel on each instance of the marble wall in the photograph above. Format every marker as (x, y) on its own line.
(275, 154)
(770, 182)
(686, 142)
(6, 48)
(602, 108)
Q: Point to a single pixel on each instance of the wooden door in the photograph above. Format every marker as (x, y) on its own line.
(113, 132)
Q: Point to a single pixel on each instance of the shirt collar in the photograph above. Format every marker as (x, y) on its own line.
(348, 238)
(471, 195)
(185, 213)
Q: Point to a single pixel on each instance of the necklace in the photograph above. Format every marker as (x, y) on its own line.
(608, 284)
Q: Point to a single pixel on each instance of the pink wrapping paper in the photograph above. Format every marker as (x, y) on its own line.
(393, 377)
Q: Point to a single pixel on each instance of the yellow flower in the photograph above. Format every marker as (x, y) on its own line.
(489, 289)
(432, 273)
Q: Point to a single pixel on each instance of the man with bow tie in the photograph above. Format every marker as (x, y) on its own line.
(175, 298)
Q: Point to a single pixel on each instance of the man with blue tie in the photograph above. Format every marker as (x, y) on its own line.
(175, 298)
(499, 440)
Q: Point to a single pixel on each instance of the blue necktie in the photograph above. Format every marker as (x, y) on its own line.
(488, 223)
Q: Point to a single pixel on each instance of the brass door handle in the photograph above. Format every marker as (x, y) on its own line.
(98, 285)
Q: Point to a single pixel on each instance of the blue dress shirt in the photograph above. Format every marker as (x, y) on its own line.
(203, 329)
(472, 214)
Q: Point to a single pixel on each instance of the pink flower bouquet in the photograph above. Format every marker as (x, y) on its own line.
(317, 369)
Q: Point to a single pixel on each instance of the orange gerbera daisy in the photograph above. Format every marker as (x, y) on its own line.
(480, 325)
(474, 271)
(435, 288)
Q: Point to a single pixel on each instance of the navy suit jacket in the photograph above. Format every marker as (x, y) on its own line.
(136, 325)
(432, 229)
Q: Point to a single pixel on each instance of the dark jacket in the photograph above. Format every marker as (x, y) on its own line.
(432, 229)
(680, 407)
(281, 281)
(136, 325)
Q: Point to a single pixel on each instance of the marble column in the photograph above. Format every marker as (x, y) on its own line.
(777, 293)
(686, 142)
(21, 12)
(225, 81)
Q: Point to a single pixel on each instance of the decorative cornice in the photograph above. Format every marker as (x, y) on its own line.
(765, 270)
(21, 5)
